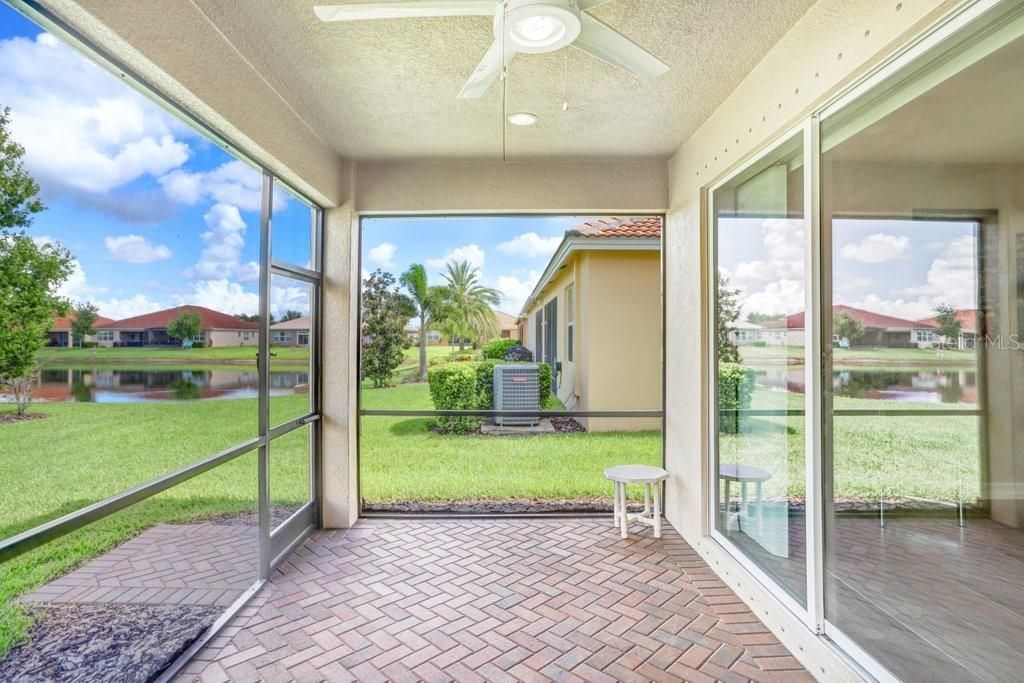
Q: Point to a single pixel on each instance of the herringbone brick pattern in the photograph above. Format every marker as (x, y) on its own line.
(500, 600)
(181, 564)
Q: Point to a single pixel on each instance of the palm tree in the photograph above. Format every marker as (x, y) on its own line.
(468, 304)
(427, 302)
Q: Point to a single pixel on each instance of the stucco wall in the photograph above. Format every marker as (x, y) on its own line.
(620, 308)
(493, 186)
(831, 45)
(218, 338)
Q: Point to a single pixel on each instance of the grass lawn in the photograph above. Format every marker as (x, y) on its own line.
(752, 354)
(400, 459)
(178, 356)
(85, 452)
(874, 456)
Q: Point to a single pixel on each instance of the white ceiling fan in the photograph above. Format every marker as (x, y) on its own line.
(520, 26)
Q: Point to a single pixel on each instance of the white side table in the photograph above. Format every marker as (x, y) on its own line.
(651, 478)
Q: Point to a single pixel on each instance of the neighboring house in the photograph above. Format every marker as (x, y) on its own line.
(60, 331)
(927, 336)
(595, 314)
(742, 333)
(218, 329)
(506, 325)
(291, 332)
(879, 330)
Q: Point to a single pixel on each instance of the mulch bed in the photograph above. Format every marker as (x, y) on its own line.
(561, 425)
(498, 507)
(7, 418)
(106, 642)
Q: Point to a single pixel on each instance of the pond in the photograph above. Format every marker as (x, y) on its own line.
(125, 385)
(907, 384)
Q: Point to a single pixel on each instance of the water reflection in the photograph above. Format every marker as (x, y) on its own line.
(915, 385)
(116, 385)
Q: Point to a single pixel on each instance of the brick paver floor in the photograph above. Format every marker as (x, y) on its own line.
(178, 564)
(502, 600)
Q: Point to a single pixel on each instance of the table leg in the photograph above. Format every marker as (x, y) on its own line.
(647, 500)
(623, 524)
(615, 503)
(759, 494)
(657, 510)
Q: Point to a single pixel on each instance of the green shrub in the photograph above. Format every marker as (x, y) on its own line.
(735, 389)
(453, 386)
(498, 347)
(464, 357)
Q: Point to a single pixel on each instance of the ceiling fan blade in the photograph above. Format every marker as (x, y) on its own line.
(616, 49)
(486, 72)
(590, 4)
(405, 9)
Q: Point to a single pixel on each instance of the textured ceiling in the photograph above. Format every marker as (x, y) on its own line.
(387, 89)
(973, 117)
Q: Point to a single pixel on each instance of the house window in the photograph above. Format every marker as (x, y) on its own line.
(925, 335)
(279, 337)
(433, 336)
(199, 337)
(105, 335)
(303, 338)
(538, 335)
(746, 335)
(570, 320)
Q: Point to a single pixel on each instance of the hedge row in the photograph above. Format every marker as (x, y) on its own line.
(470, 386)
(735, 389)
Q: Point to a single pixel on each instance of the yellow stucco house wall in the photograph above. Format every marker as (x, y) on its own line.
(610, 271)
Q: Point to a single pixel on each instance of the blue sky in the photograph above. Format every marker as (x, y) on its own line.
(511, 252)
(154, 213)
(902, 268)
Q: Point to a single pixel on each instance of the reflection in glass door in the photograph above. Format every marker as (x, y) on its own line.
(923, 542)
(759, 380)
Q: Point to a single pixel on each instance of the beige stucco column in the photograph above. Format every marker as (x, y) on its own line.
(339, 485)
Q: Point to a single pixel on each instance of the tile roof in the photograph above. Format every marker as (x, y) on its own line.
(968, 318)
(869, 319)
(613, 226)
(300, 323)
(64, 322)
(209, 319)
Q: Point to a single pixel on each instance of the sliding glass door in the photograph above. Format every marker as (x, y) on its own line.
(868, 365)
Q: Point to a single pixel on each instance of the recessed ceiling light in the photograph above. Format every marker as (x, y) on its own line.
(522, 118)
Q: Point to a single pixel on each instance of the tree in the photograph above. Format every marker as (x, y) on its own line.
(759, 318)
(467, 306)
(949, 324)
(845, 326)
(728, 314)
(427, 301)
(185, 326)
(30, 273)
(385, 311)
(83, 322)
(291, 315)
(19, 199)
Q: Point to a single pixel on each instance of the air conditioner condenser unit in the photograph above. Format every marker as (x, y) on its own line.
(517, 387)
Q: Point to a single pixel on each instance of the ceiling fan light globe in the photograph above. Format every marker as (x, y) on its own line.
(538, 26)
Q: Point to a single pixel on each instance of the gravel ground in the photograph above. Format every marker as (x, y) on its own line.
(97, 643)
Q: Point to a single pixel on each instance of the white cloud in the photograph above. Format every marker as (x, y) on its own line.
(472, 253)
(138, 304)
(233, 182)
(288, 297)
(136, 249)
(224, 239)
(530, 245)
(383, 254)
(83, 131)
(952, 279)
(221, 295)
(877, 248)
(515, 291)
(773, 283)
